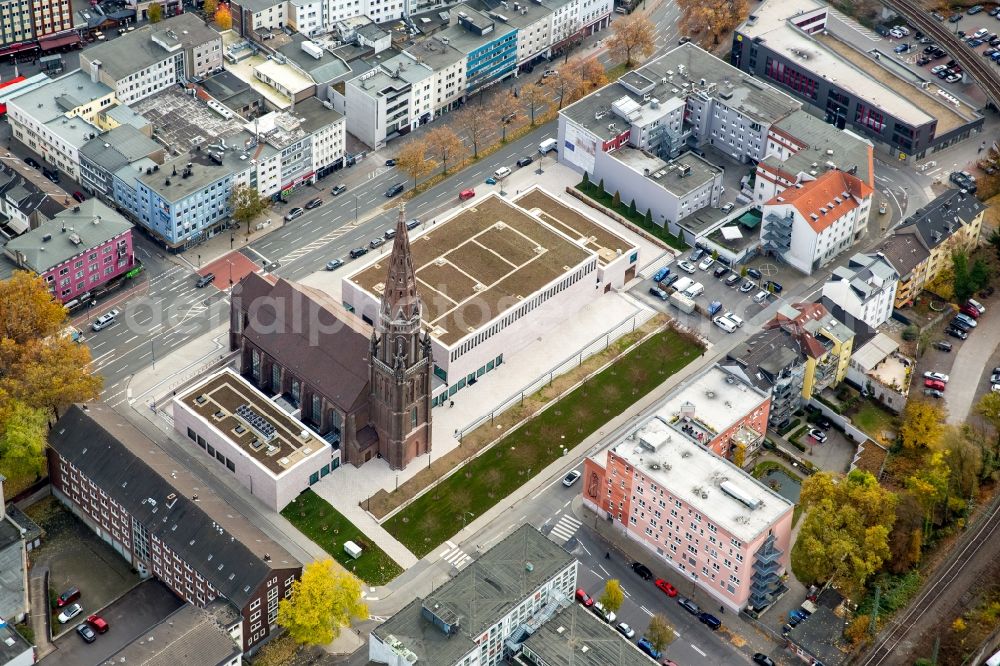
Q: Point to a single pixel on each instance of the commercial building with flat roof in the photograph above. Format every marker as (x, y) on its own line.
(155, 56)
(805, 48)
(78, 251)
(577, 637)
(490, 275)
(15, 650)
(164, 521)
(269, 451)
(706, 518)
(468, 619)
(191, 636)
(105, 154)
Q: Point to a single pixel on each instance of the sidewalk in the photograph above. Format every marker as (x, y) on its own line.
(38, 616)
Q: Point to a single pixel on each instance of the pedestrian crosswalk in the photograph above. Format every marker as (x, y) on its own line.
(455, 556)
(565, 528)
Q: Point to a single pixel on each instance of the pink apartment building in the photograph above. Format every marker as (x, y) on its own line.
(666, 486)
(77, 251)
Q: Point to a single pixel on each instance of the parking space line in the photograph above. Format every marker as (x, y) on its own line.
(696, 649)
(648, 612)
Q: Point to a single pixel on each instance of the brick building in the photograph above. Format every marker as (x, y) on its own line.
(163, 520)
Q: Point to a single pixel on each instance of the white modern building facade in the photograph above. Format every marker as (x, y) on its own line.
(865, 288)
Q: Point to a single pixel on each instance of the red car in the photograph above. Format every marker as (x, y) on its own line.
(970, 311)
(667, 588)
(584, 598)
(97, 623)
(934, 384)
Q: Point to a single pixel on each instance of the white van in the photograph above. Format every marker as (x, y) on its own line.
(547, 146)
(695, 290)
(502, 172)
(683, 284)
(725, 323)
(761, 297)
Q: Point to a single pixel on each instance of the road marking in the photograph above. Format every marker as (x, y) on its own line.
(648, 612)
(566, 527)
(567, 503)
(456, 557)
(696, 649)
(606, 572)
(130, 339)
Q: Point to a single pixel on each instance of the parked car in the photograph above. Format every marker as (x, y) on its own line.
(603, 613)
(773, 287)
(934, 384)
(761, 658)
(747, 287)
(51, 174)
(761, 297)
(358, 252)
(571, 478)
(956, 333)
(625, 630)
(686, 266)
(689, 606)
(660, 274)
(79, 196)
(98, 624)
(104, 321)
(412, 224)
(970, 311)
(733, 280)
(584, 598)
(376, 242)
(69, 612)
(960, 325)
(696, 255)
(524, 161)
(725, 324)
(967, 319)
(818, 435)
(731, 316)
(669, 280)
(754, 273)
(205, 280)
(940, 376)
(314, 203)
(294, 213)
(706, 263)
(501, 173)
(659, 293)
(941, 345)
(666, 587)
(642, 570)
(334, 264)
(465, 195)
(938, 68)
(32, 162)
(390, 163)
(648, 648)
(86, 633)
(394, 190)
(719, 271)
(954, 18)
(710, 620)
(338, 190)
(69, 596)
(902, 48)
(933, 393)
(389, 233)
(976, 304)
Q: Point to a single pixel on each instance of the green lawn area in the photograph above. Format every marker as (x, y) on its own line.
(483, 482)
(873, 419)
(638, 218)
(313, 516)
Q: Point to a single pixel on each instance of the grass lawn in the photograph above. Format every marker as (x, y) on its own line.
(313, 516)
(485, 481)
(873, 419)
(637, 218)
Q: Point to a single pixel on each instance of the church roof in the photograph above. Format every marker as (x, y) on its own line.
(310, 334)
(400, 295)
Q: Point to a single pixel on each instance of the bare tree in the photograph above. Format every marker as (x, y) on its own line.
(445, 145)
(590, 72)
(506, 105)
(533, 100)
(711, 19)
(566, 85)
(413, 159)
(475, 122)
(632, 37)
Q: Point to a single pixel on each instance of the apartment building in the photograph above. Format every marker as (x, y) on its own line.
(712, 523)
(809, 224)
(826, 342)
(274, 455)
(155, 57)
(392, 98)
(865, 288)
(520, 582)
(448, 66)
(165, 522)
(773, 360)
(922, 246)
(256, 19)
(56, 119)
(808, 50)
(116, 149)
(23, 204)
(488, 44)
(23, 22)
(78, 251)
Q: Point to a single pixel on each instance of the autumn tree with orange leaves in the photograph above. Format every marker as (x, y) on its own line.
(710, 20)
(632, 38)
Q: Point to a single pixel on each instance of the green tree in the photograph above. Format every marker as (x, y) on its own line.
(844, 536)
(994, 240)
(929, 486)
(246, 204)
(632, 209)
(743, 271)
(22, 441)
(962, 283)
(208, 9)
(979, 274)
(910, 333)
(586, 178)
(922, 424)
(659, 633)
(155, 12)
(616, 200)
(613, 597)
(323, 601)
(649, 216)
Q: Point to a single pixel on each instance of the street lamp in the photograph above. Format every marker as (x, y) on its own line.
(464, 514)
(355, 207)
(232, 239)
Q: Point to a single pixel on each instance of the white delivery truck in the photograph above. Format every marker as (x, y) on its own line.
(547, 146)
(682, 302)
(695, 290)
(683, 283)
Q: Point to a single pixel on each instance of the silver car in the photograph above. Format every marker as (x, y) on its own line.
(105, 320)
(571, 478)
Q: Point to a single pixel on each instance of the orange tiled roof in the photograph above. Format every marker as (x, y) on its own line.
(826, 199)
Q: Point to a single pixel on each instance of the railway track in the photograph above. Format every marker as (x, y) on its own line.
(983, 71)
(899, 629)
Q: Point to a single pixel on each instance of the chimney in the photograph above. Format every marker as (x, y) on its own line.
(95, 71)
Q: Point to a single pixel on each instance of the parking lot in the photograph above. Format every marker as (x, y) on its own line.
(75, 556)
(128, 618)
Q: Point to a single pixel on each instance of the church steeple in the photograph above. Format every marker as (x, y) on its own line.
(400, 300)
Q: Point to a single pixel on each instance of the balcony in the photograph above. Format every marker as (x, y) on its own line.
(765, 583)
(777, 231)
(826, 371)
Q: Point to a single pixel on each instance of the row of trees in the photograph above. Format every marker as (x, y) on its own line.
(41, 373)
(855, 527)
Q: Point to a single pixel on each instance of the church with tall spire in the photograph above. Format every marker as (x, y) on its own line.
(401, 363)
